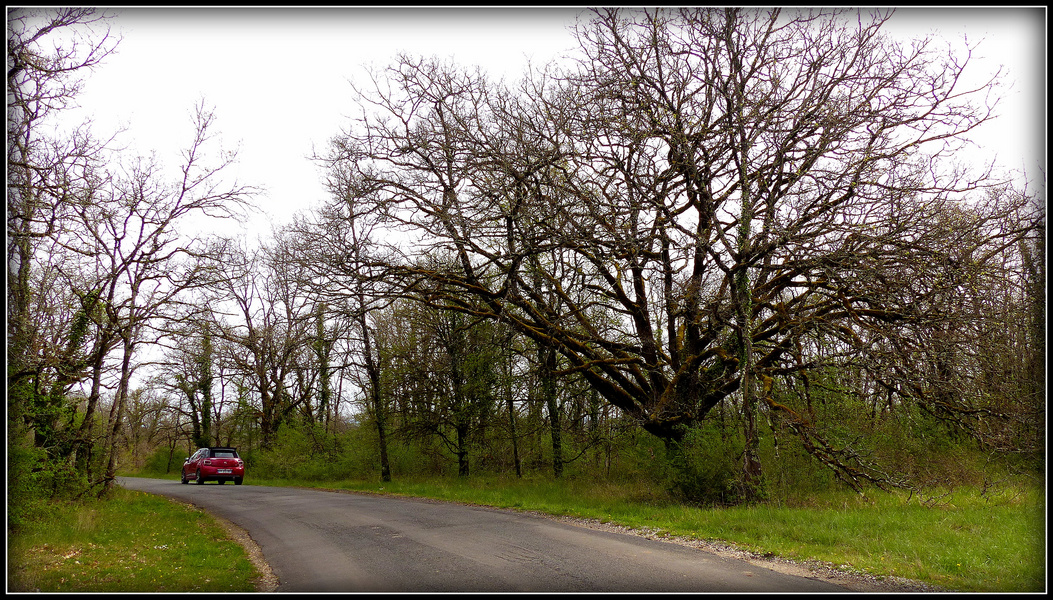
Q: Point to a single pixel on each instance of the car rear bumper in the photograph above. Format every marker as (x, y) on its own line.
(217, 473)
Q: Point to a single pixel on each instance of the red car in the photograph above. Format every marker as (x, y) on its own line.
(214, 464)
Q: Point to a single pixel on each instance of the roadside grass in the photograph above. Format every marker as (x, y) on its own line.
(964, 543)
(133, 542)
(963, 540)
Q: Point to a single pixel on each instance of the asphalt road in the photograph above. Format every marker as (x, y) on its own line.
(319, 541)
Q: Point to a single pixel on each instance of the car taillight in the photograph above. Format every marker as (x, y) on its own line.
(208, 463)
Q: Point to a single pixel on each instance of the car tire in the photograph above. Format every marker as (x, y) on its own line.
(183, 479)
(237, 481)
(199, 479)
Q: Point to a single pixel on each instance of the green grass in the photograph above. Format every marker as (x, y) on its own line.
(968, 544)
(134, 542)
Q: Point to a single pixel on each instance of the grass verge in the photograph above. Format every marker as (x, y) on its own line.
(134, 542)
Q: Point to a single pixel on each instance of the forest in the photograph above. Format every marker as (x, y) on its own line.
(730, 251)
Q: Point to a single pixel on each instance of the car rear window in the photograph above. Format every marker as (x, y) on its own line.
(224, 454)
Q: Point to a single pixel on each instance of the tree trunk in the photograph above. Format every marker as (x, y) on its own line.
(547, 358)
(117, 414)
(510, 403)
(379, 410)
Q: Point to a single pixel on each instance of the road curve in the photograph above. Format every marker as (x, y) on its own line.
(322, 541)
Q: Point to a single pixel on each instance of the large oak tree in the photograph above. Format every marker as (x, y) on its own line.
(692, 207)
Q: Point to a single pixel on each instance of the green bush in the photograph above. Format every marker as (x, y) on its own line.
(33, 478)
(791, 474)
(24, 496)
(703, 468)
(289, 455)
(164, 461)
(359, 456)
(309, 453)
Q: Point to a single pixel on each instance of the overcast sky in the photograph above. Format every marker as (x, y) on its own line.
(278, 78)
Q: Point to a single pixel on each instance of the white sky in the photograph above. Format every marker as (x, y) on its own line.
(278, 78)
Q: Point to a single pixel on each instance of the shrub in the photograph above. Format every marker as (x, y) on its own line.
(23, 494)
(703, 468)
(163, 460)
(309, 453)
(33, 478)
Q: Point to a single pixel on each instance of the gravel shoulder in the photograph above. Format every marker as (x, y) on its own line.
(268, 581)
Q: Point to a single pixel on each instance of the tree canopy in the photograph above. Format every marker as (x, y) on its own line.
(708, 200)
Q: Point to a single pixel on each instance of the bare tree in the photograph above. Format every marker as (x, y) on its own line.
(324, 248)
(265, 317)
(718, 187)
(46, 173)
(141, 264)
(186, 371)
